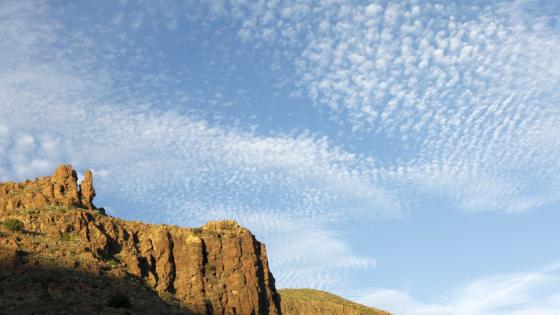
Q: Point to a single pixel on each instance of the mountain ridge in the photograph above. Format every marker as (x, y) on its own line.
(219, 268)
(60, 254)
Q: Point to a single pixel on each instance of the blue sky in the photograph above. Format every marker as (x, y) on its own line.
(404, 154)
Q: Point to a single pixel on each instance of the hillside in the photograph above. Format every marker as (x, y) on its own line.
(307, 301)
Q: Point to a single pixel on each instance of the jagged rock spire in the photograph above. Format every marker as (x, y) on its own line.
(65, 186)
(60, 189)
(87, 192)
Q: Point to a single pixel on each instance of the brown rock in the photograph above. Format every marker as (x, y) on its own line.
(60, 189)
(65, 186)
(87, 192)
(71, 260)
(215, 271)
(219, 268)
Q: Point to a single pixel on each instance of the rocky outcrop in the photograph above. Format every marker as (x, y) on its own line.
(87, 192)
(219, 268)
(60, 189)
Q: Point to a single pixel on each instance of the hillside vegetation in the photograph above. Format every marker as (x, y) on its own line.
(308, 301)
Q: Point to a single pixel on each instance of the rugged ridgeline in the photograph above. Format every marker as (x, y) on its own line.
(59, 254)
(307, 301)
(60, 189)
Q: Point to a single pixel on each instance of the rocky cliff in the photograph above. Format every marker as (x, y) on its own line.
(51, 227)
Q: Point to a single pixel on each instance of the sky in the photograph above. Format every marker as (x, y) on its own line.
(404, 154)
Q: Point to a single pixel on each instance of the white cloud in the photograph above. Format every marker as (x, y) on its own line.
(534, 292)
(471, 100)
(324, 261)
(169, 167)
(461, 86)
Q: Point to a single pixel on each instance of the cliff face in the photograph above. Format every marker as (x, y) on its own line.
(219, 268)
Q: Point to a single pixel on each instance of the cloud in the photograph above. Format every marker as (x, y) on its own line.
(167, 166)
(324, 260)
(535, 292)
(186, 158)
(462, 100)
(463, 89)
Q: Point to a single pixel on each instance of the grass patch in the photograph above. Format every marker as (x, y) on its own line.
(31, 210)
(67, 236)
(113, 263)
(210, 268)
(288, 295)
(197, 231)
(57, 208)
(170, 298)
(13, 225)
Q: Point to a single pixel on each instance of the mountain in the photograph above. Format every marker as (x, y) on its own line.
(307, 301)
(60, 254)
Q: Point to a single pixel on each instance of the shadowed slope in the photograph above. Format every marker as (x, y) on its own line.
(42, 289)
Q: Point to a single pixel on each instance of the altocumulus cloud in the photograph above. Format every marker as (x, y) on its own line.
(165, 166)
(470, 91)
(531, 292)
(471, 88)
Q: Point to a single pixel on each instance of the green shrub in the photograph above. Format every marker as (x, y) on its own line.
(13, 225)
(169, 297)
(66, 237)
(119, 301)
(113, 263)
(210, 268)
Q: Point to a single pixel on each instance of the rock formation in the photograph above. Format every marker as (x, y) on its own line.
(219, 268)
(60, 189)
(87, 192)
(59, 254)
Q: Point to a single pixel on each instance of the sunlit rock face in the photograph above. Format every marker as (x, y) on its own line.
(219, 268)
(60, 189)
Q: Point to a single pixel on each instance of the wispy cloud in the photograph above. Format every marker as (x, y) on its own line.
(325, 261)
(166, 166)
(535, 292)
(173, 169)
(466, 94)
